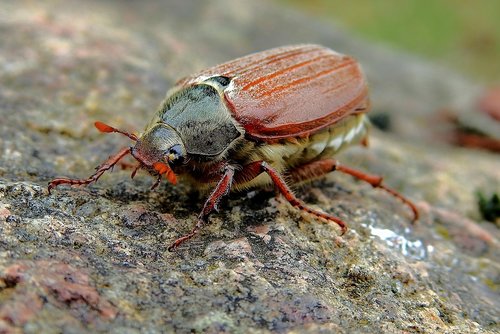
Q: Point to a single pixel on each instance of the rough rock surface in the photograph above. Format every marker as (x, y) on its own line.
(95, 259)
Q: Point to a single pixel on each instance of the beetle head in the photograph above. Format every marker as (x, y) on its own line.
(160, 148)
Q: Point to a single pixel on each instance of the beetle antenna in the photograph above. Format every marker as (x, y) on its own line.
(108, 129)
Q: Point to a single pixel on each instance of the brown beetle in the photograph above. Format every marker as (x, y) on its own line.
(251, 121)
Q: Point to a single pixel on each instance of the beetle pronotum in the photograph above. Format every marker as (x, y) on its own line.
(250, 122)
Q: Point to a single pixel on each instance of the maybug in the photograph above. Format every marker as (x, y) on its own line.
(255, 121)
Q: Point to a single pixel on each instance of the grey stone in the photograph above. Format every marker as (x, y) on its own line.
(95, 259)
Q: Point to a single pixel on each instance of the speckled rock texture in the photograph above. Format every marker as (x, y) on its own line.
(95, 259)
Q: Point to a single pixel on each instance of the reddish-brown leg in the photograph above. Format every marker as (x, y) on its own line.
(222, 189)
(252, 170)
(312, 170)
(290, 197)
(108, 164)
(321, 167)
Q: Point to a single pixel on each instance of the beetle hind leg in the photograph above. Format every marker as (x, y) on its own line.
(376, 182)
(319, 168)
(108, 164)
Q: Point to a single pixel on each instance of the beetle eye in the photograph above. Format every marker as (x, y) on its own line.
(174, 154)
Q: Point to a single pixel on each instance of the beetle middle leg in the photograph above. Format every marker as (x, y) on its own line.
(223, 187)
(253, 169)
(321, 167)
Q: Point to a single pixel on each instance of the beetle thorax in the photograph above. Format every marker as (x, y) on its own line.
(202, 120)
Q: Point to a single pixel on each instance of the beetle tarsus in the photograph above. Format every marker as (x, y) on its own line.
(157, 182)
(186, 237)
(406, 201)
(135, 170)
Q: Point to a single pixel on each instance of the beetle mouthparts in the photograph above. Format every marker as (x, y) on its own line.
(159, 167)
(109, 129)
(163, 168)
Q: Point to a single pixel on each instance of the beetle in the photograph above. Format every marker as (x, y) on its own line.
(271, 116)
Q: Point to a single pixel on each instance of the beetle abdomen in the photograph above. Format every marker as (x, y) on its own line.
(351, 130)
(325, 143)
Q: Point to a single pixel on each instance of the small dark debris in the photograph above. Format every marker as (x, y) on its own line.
(489, 207)
(381, 120)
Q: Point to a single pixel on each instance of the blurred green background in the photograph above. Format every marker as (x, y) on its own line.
(461, 34)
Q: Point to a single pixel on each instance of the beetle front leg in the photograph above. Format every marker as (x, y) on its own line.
(223, 187)
(322, 167)
(108, 164)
